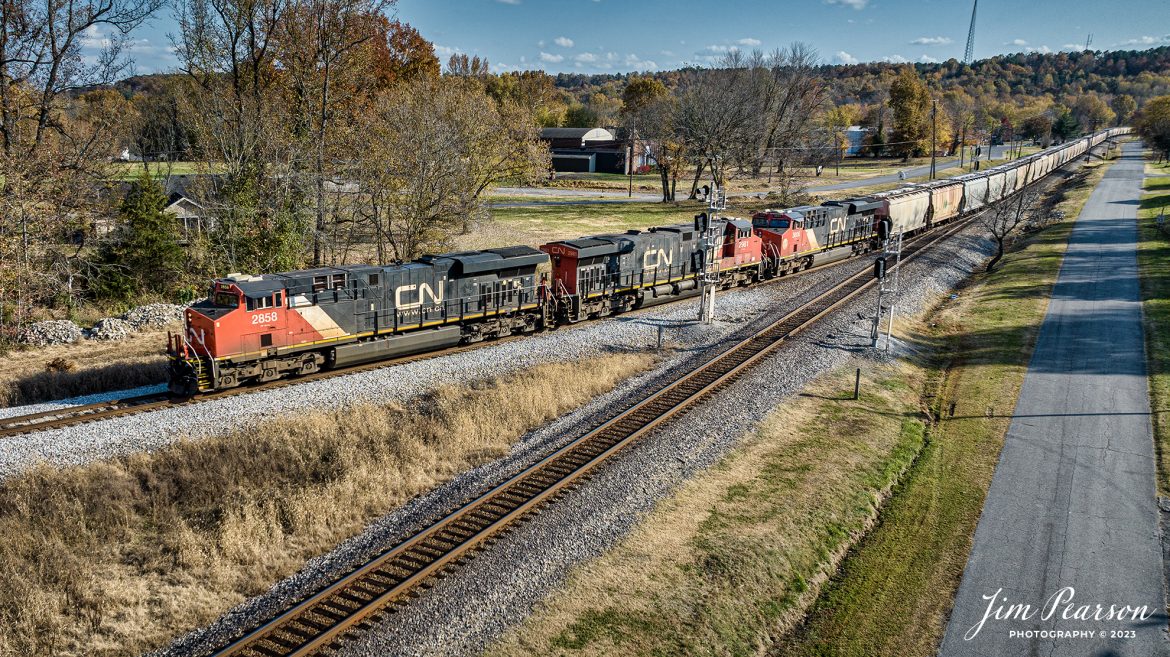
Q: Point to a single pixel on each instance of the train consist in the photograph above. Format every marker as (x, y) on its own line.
(262, 328)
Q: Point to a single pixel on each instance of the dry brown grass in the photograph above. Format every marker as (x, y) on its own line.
(118, 557)
(731, 560)
(30, 376)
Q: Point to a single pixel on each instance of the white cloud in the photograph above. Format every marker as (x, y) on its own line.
(845, 58)
(750, 42)
(856, 4)
(666, 53)
(1016, 42)
(927, 59)
(552, 59)
(564, 42)
(1146, 41)
(585, 58)
(92, 37)
(445, 51)
(895, 59)
(636, 63)
(931, 41)
(1072, 46)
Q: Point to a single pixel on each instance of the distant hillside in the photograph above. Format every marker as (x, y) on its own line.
(1139, 73)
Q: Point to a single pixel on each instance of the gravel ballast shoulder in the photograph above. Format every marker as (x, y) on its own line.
(497, 589)
(119, 436)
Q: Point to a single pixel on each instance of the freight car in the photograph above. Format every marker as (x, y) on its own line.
(261, 328)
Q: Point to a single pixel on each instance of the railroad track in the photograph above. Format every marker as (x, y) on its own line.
(74, 415)
(362, 597)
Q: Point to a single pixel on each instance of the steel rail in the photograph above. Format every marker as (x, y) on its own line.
(68, 416)
(321, 620)
(74, 415)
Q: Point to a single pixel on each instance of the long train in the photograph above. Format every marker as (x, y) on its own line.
(262, 328)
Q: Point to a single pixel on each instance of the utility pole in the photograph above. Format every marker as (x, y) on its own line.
(630, 164)
(933, 135)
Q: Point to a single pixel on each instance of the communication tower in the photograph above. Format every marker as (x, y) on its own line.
(970, 54)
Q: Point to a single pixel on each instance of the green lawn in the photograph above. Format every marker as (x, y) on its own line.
(1154, 260)
(131, 170)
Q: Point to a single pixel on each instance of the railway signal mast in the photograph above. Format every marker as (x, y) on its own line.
(886, 270)
(711, 238)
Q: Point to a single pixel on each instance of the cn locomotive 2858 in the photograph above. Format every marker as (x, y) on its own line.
(262, 328)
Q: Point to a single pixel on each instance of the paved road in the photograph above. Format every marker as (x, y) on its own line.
(1072, 500)
(997, 158)
(606, 197)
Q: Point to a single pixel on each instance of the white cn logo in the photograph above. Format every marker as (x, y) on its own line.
(836, 224)
(424, 291)
(659, 258)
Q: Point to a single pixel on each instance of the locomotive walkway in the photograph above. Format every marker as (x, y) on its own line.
(1072, 502)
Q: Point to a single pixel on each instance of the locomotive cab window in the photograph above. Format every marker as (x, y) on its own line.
(259, 304)
(373, 280)
(338, 281)
(320, 283)
(227, 300)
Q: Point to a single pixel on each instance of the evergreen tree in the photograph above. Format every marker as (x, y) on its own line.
(144, 254)
(1065, 125)
(910, 102)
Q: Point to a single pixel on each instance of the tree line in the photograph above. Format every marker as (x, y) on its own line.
(320, 132)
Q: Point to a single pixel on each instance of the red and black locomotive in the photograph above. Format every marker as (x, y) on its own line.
(261, 328)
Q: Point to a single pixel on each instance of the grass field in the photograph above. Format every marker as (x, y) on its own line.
(131, 170)
(538, 225)
(1154, 260)
(44, 374)
(118, 557)
(894, 592)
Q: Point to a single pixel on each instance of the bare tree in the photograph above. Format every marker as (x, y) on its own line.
(714, 114)
(427, 154)
(1005, 218)
(317, 43)
(791, 96)
(53, 152)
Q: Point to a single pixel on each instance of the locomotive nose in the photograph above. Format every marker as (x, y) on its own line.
(200, 332)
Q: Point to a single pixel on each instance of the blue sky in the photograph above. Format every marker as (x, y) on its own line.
(600, 36)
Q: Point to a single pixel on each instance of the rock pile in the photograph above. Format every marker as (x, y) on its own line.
(110, 328)
(52, 332)
(154, 315)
